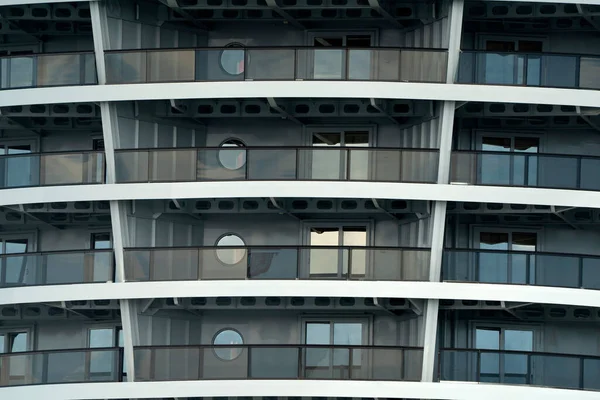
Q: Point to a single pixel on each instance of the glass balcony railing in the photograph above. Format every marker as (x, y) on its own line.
(520, 368)
(277, 262)
(537, 69)
(289, 63)
(35, 169)
(525, 169)
(175, 363)
(522, 268)
(277, 163)
(37, 70)
(56, 268)
(61, 366)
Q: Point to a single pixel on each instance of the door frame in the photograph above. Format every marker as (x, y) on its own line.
(305, 161)
(536, 328)
(305, 239)
(367, 331)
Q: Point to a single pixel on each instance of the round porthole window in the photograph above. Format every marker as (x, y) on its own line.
(235, 253)
(228, 337)
(232, 59)
(233, 154)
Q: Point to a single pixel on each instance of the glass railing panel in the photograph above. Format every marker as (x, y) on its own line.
(56, 268)
(223, 262)
(19, 170)
(276, 164)
(71, 168)
(514, 368)
(220, 64)
(385, 64)
(274, 363)
(47, 70)
(423, 66)
(221, 164)
(540, 269)
(589, 72)
(177, 165)
(590, 272)
(270, 64)
(559, 71)
(132, 166)
(170, 66)
(589, 173)
(19, 270)
(60, 366)
(77, 267)
(65, 69)
(519, 169)
(550, 70)
(273, 263)
(278, 362)
(126, 67)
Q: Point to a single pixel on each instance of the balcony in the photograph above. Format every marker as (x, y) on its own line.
(520, 368)
(537, 69)
(46, 169)
(56, 268)
(175, 363)
(522, 268)
(525, 169)
(276, 163)
(277, 262)
(276, 63)
(38, 70)
(61, 366)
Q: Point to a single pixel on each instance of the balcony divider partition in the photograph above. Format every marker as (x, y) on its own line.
(289, 361)
(276, 163)
(276, 63)
(277, 262)
(566, 371)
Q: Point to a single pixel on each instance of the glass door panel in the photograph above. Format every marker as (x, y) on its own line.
(317, 361)
(516, 366)
(328, 63)
(525, 167)
(495, 168)
(13, 268)
(358, 159)
(493, 268)
(355, 260)
(102, 267)
(327, 164)
(101, 362)
(347, 362)
(489, 364)
(522, 266)
(324, 263)
(359, 57)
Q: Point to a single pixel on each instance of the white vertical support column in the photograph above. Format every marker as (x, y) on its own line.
(118, 214)
(438, 221)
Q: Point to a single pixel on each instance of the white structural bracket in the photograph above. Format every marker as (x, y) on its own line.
(438, 220)
(117, 209)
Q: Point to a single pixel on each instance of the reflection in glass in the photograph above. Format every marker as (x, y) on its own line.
(232, 61)
(228, 337)
(234, 157)
(231, 256)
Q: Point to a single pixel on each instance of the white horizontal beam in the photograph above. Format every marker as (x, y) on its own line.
(302, 288)
(301, 189)
(301, 89)
(293, 388)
